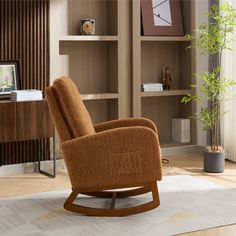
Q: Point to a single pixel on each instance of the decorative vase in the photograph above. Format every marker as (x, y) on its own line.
(214, 162)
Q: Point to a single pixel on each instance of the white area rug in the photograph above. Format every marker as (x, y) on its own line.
(187, 204)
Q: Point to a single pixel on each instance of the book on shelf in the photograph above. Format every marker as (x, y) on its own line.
(26, 95)
(151, 87)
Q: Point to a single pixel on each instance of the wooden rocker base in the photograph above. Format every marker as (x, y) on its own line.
(70, 206)
(119, 194)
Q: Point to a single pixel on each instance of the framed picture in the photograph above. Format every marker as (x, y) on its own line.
(9, 75)
(161, 17)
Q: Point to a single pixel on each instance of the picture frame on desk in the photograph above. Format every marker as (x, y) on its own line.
(9, 77)
(161, 18)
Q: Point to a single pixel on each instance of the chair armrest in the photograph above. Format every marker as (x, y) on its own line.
(121, 156)
(125, 123)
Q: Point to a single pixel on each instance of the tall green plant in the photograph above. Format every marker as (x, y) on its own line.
(212, 39)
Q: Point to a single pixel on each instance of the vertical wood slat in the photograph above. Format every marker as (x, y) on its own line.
(24, 35)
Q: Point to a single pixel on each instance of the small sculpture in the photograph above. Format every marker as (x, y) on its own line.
(167, 78)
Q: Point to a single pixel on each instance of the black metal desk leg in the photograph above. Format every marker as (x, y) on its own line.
(53, 160)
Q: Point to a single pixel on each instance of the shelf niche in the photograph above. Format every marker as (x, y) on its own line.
(161, 110)
(93, 66)
(103, 11)
(157, 55)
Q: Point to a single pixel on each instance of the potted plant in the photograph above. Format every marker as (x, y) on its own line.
(212, 39)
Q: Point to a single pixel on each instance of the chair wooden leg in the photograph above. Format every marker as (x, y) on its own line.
(70, 206)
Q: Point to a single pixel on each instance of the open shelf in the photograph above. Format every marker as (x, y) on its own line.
(99, 96)
(104, 12)
(158, 54)
(88, 38)
(161, 110)
(178, 92)
(164, 38)
(93, 66)
(151, 55)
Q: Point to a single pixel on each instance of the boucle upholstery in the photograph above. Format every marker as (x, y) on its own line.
(72, 107)
(114, 157)
(120, 153)
(125, 123)
(58, 119)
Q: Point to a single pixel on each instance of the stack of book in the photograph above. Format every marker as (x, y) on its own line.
(26, 95)
(151, 87)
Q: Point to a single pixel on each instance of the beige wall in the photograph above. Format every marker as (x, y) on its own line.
(201, 63)
(58, 27)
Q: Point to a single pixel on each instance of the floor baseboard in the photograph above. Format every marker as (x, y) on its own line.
(183, 150)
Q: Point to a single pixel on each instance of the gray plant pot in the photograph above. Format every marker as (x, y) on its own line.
(214, 162)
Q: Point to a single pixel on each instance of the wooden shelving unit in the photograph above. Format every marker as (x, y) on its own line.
(150, 55)
(96, 63)
(108, 66)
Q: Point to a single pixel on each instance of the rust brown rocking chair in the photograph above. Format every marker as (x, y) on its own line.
(111, 155)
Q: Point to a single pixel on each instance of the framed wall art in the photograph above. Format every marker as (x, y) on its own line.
(9, 76)
(161, 17)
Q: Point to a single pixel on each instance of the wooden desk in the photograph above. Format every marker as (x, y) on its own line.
(28, 120)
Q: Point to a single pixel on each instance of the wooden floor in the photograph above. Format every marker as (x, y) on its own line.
(189, 165)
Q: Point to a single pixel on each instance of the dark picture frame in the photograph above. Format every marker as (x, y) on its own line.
(9, 76)
(163, 19)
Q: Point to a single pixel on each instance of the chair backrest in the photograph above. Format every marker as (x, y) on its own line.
(69, 113)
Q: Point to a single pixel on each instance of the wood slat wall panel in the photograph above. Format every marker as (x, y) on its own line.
(24, 35)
